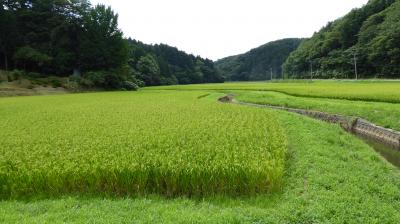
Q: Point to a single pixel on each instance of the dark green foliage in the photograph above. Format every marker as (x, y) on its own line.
(60, 36)
(65, 37)
(371, 33)
(149, 70)
(55, 83)
(104, 79)
(102, 44)
(27, 55)
(131, 86)
(257, 63)
(161, 64)
(45, 30)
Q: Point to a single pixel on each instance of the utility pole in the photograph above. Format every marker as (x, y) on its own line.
(271, 74)
(355, 65)
(283, 77)
(311, 70)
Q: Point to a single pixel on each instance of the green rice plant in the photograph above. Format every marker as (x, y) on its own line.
(121, 143)
(381, 113)
(380, 91)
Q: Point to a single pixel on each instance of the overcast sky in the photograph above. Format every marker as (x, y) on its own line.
(220, 28)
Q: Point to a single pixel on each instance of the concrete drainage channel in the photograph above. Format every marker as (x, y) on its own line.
(384, 140)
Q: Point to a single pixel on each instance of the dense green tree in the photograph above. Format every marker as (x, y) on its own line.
(102, 46)
(175, 66)
(28, 56)
(370, 33)
(258, 63)
(64, 37)
(45, 27)
(149, 70)
(8, 36)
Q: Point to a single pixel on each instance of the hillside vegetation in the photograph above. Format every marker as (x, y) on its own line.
(77, 40)
(370, 34)
(258, 63)
(161, 64)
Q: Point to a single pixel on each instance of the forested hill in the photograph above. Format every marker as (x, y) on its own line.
(161, 64)
(65, 37)
(370, 34)
(258, 63)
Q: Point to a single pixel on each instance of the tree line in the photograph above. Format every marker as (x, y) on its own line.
(161, 64)
(262, 63)
(64, 37)
(366, 40)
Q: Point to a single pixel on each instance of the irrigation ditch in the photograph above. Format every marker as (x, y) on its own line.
(383, 140)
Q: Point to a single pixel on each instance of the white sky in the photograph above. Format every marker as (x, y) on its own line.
(220, 28)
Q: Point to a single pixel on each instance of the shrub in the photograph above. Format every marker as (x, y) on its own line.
(103, 79)
(112, 81)
(55, 83)
(71, 85)
(92, 79)
(131, 86)
(35, 75)
(17, 74)
(166, 81)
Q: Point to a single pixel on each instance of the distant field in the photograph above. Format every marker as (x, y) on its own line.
(374, 100)
(381, 113)
(122, 143)
(381, 91)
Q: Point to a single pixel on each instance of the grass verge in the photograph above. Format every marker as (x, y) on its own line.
(383, 114)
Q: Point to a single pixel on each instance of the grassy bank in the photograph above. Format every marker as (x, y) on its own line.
(330, 177)
(383, 114)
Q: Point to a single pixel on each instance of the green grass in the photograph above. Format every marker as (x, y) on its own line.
(383, 114)
(330, 177)
(382, 91)
(122, 143)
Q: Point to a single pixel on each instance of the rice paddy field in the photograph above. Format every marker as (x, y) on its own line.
(368, 90)
(381, 113)
(176, 155)
(122, 143)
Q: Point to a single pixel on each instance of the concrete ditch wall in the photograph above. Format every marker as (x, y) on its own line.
(383, 135)
(354, 125)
